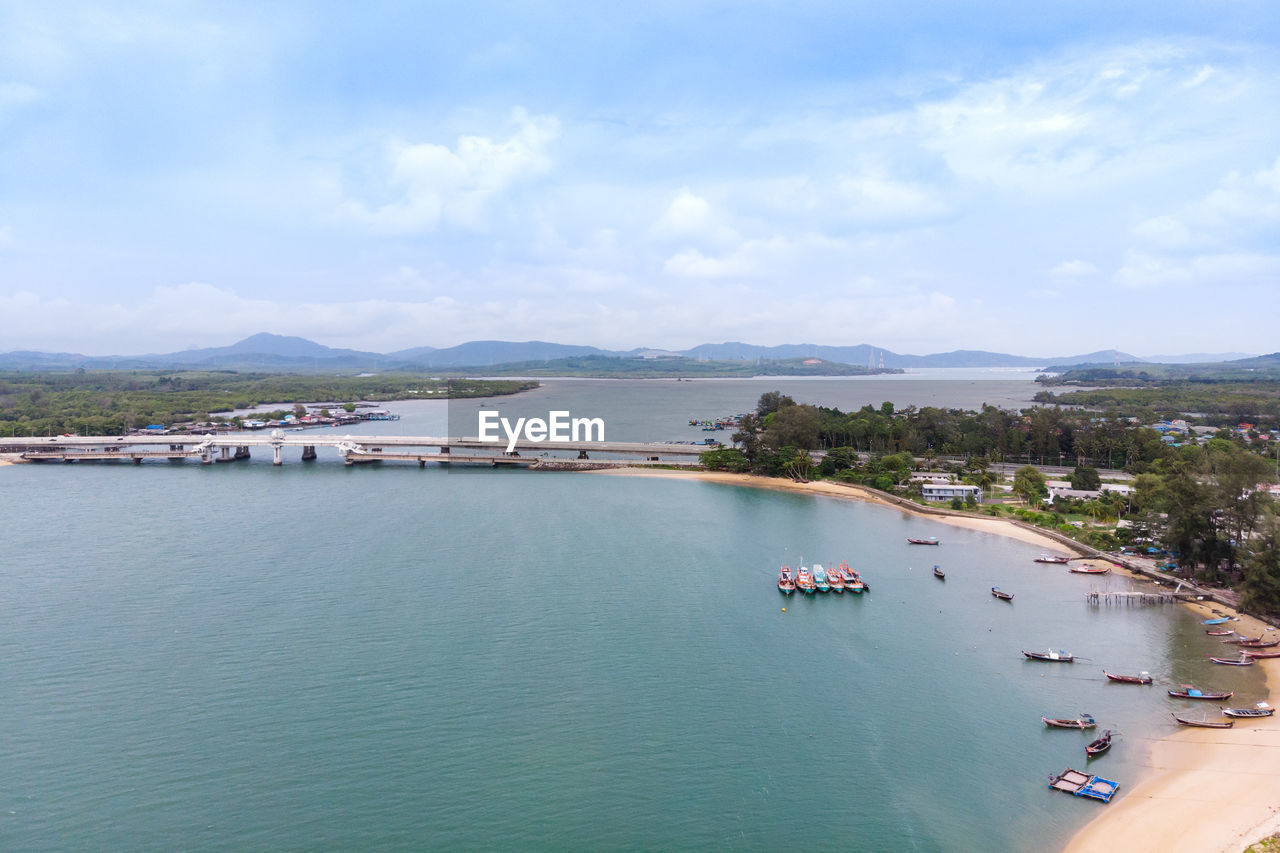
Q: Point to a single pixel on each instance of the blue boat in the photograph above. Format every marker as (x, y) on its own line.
(1215, 621)
(1084, 785)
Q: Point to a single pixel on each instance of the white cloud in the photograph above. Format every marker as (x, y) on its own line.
(1074, 269)
(6, 237)
(691, 217)
(435, 183)
(876, 198)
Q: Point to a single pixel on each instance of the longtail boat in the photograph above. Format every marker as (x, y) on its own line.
(1260, 655)
(1090, 570)
(1189, 692)
(1243, 660)
(1051, 558)
(1219, 633)
(1084, 721)
(1256, 643)
(1262, 709)
(939, 573)
(931, 540)
(1003, 596)
(1140, 678)
(1051, 656)
(1204, 724)
(1218, 621)
(1099, 746)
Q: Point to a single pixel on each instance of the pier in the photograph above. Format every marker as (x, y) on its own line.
(354, 450)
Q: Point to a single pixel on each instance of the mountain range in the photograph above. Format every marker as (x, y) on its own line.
(269, 352)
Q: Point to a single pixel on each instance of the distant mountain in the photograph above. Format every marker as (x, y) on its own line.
(485, 353)
(268, 352)
(869, 356)
(1198, 357)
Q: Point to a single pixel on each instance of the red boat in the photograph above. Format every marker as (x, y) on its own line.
(1253, 643)
(1141, 678)
(1189, 692)
(786, 583)
(1260, 655)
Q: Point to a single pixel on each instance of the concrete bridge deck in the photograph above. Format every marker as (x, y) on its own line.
(353, 449)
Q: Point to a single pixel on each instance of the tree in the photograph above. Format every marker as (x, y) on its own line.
(1085, 478)
(772, 401)
(348, 407)
(793, 425)
(748, 436)
(724, 459)
(1028, 484)
(1260, 589)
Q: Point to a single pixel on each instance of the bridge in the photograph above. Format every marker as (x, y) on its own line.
(213, 448)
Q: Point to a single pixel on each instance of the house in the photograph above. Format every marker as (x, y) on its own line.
(940, 492)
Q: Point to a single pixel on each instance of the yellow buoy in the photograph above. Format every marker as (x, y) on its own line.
(784, 610)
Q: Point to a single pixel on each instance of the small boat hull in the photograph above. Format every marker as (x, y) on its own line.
(1249, 713)
(1003, 596)
(1099, 746)
(1051, 657)
(1192, 693)
(1084, 721)
(1246, 661)
(1204, 724)
(930, 541)
(1128, 679)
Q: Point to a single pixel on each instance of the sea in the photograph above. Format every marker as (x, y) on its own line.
(388, 657)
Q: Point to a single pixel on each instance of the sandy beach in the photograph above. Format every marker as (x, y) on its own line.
(1205, 790)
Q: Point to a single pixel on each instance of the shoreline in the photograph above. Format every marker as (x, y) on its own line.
(1203, 789)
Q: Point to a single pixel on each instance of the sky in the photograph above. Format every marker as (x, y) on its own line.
(1045, 178)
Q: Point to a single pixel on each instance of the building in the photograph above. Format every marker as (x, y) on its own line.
(946, 491)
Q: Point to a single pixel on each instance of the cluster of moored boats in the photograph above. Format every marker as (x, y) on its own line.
(1184, 691)
(815, 579)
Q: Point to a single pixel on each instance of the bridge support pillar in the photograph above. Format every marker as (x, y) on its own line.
(206, 458)
(242, 452)
(422, 463)
(582, 454)
(308, 452)
(277, 455)
(347, 460)
(137, 460)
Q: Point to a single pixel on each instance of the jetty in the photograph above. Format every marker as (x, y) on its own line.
(354, 450)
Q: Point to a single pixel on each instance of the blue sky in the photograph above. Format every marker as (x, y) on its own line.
(1039, 178)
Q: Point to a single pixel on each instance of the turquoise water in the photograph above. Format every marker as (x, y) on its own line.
(312, 657)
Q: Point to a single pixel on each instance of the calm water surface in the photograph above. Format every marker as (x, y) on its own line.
(313, 657)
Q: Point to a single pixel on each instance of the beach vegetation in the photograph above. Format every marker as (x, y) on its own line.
(1029, 484)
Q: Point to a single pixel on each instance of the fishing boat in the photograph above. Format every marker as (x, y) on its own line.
(1205, 724)
(1084, 721)
(1140, 678)
(1260, 655)
(1258, 643)
(1243, 660)
(1189, 692)
(1262, 709)
(929, 540)
(1003, 596)
(1219, 633)
(1052, 656)
(1051, 558)
(1099, 746)
(1090, 570)
(820, 578)
(853, 581)
(835, 579)
(939, 573)
(804, 581)
(786, 582)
